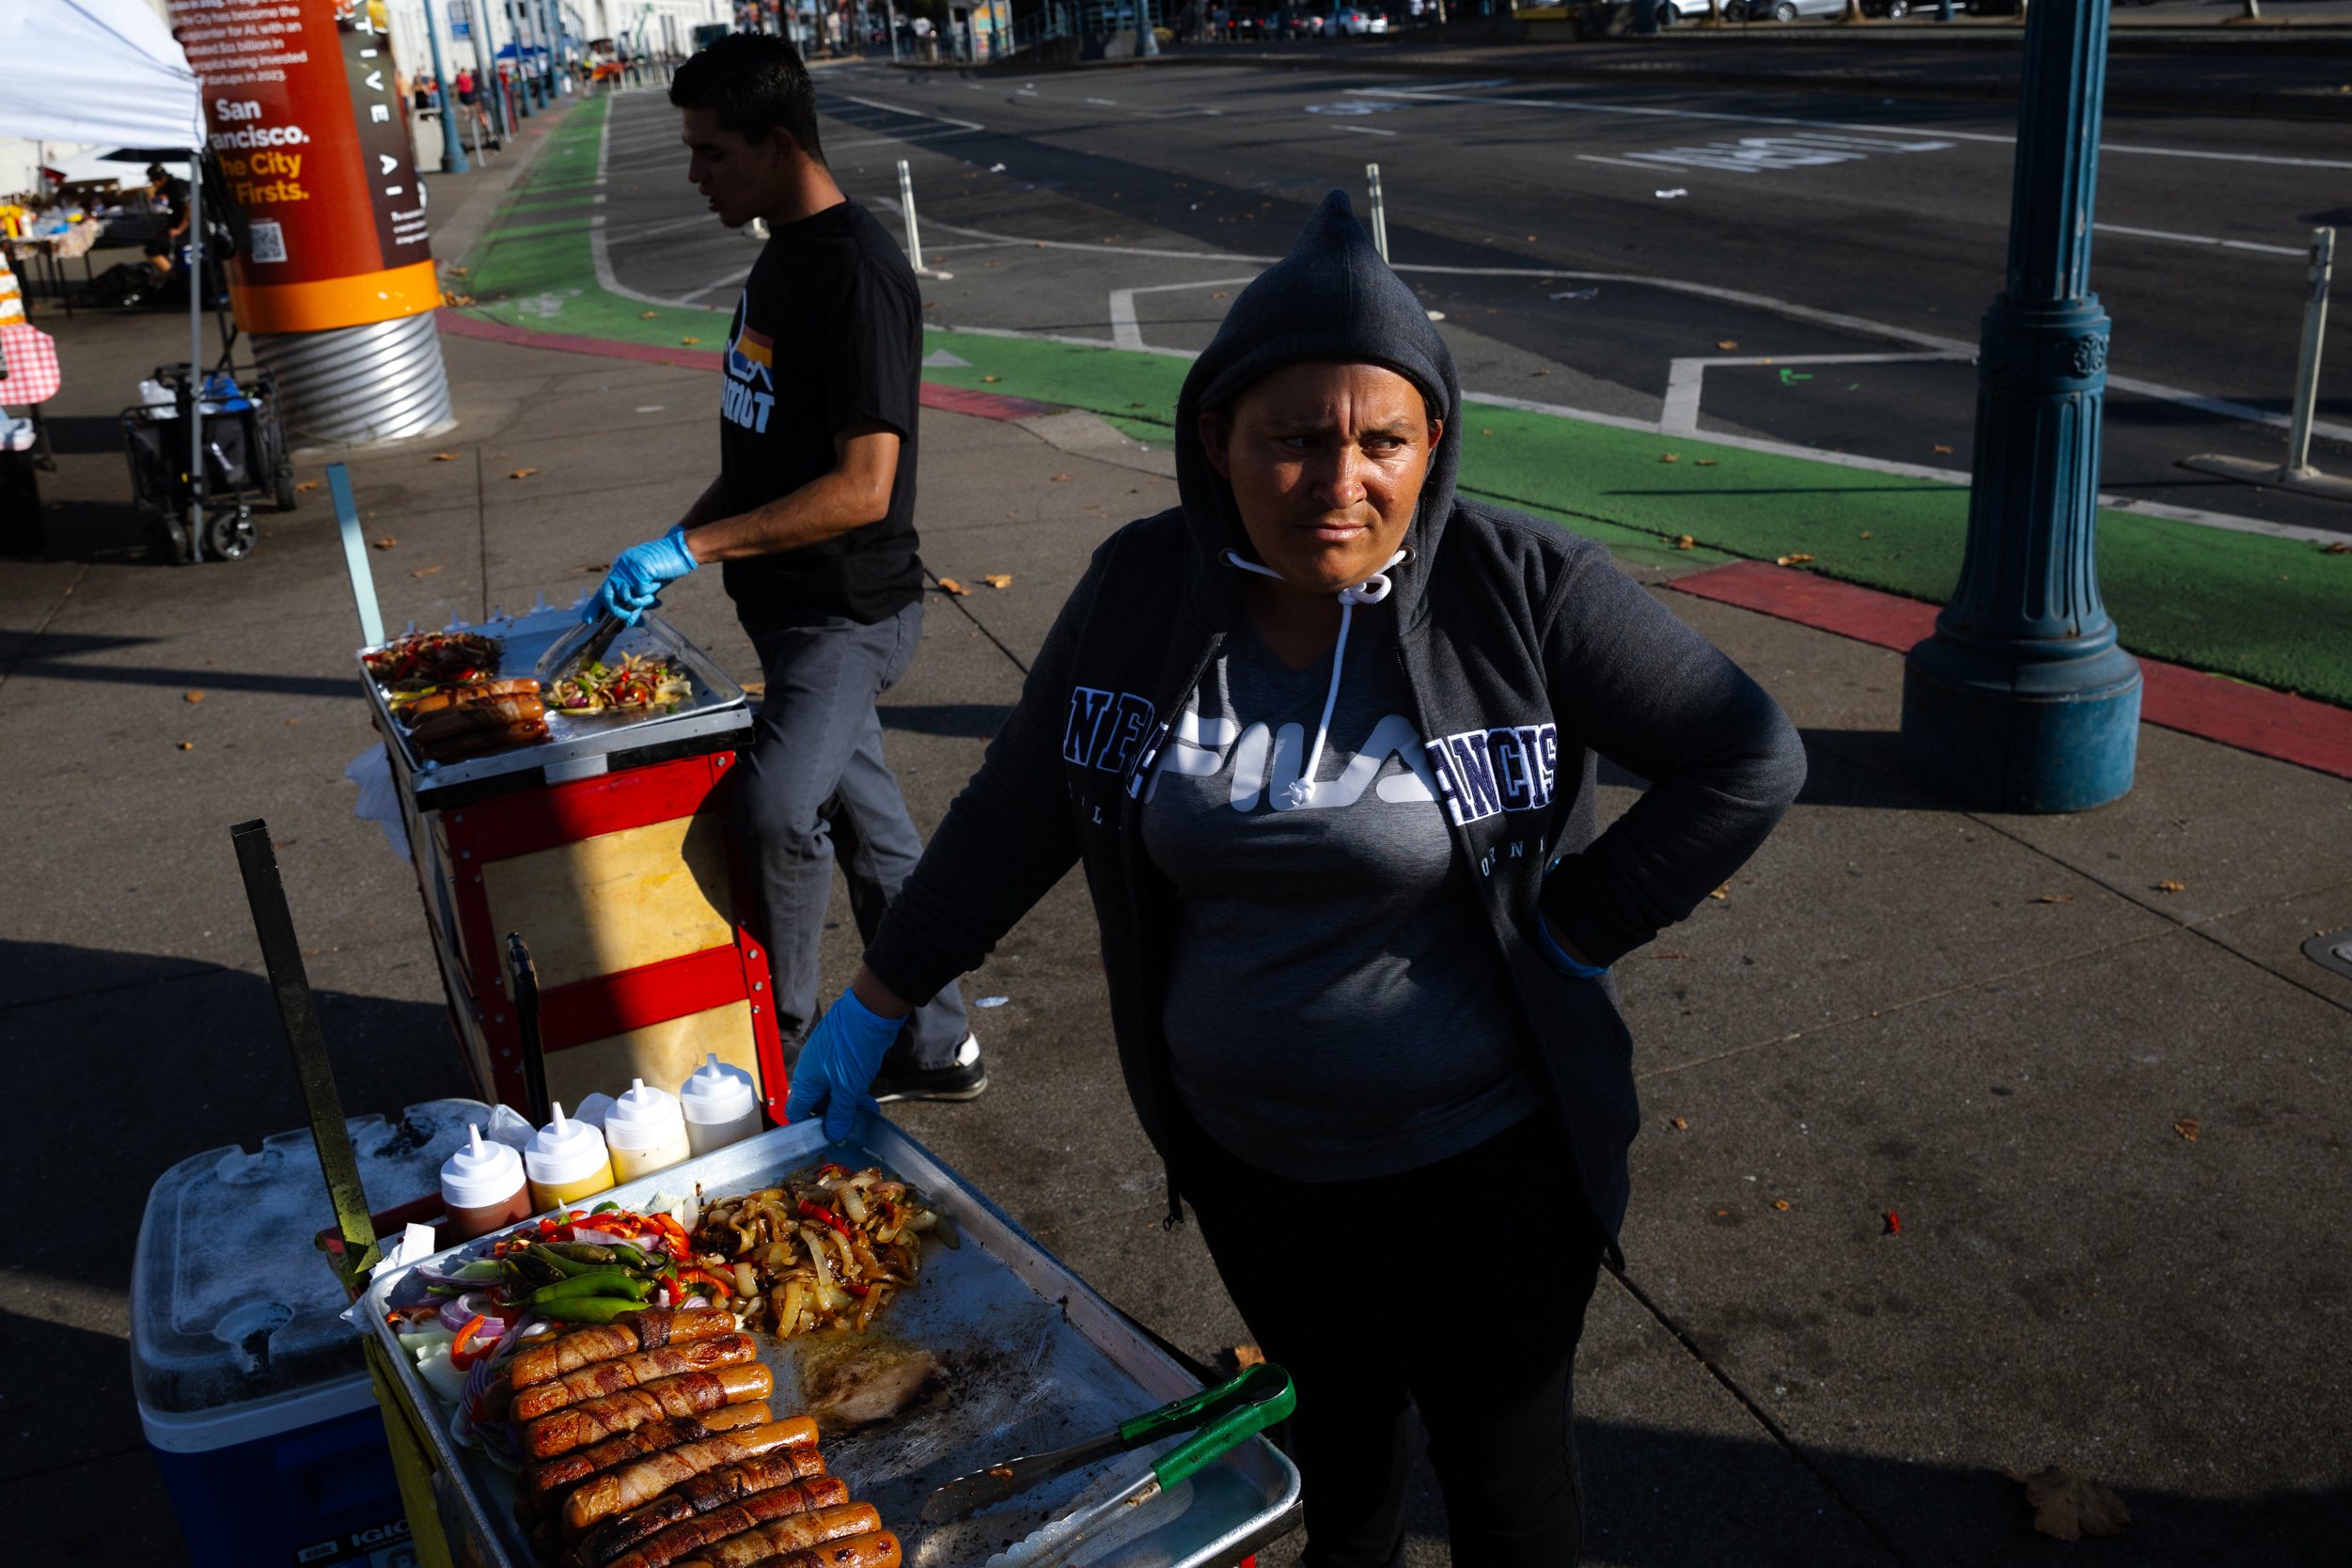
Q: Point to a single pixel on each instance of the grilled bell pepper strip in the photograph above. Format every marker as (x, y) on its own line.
(698, 1274)
(810, 1211)
(461, 1356)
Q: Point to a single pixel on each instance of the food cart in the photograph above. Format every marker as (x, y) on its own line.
(605, 848)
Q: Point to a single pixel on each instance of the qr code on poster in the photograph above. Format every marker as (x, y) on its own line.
(268, 241)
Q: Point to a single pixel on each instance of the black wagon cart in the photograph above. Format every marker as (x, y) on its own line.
(246, 464)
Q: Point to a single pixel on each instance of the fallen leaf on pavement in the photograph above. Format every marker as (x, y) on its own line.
(756, 688)
(1794, 561)
(1722, 892)
(425, 571)
(1062, 479)
(387, 542)
(948, 585)
(521, 473)
(1680, 1125)
(1683, 541)
(2189, 1127)
(1669, 955)
(192, 697)
(445, 457)
(998, 579)
(1246, 1356)
(187, 746)
(2169, 886)
(1893, 1224)
(1729, 343)
(1943, 449)
(1781, 1204)
(1538, 372)
(2069, 1507)
(2054, 898)
(307, 485)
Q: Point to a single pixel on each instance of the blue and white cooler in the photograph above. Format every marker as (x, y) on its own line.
(252, 1388)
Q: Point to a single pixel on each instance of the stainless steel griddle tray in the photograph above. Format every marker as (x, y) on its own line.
(1036, 1360)
(575, 742)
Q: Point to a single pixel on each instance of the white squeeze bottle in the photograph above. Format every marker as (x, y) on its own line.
(721, 1107)
(567, 1161)
(482, 1188)
(647, 1131)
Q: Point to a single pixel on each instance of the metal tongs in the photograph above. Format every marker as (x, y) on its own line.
(577, 649)
(1226, 1416)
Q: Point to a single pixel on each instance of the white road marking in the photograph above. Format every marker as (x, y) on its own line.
(1593, 158)
(1568, 107)
(2198, 239)
(1365, 130)
(916, 114)
(1685, 377)
(1127, 333)
(1803, 150)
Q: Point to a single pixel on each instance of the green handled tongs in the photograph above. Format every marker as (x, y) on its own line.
(1225, 1417)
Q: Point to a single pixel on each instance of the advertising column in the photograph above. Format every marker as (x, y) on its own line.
(337, 287)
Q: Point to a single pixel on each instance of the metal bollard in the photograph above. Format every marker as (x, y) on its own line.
(914, 231)
(1379, 211)
(2298, 464)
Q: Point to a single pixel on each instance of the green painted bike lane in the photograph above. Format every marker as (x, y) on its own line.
(2271, 611)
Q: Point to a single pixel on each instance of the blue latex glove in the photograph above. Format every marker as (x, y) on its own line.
(838, 1063)
(634, 584)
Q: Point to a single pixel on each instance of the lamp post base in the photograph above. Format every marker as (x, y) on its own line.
(2012, 735)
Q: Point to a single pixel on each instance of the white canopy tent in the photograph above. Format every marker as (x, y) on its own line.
(97, 70)
(110, 71)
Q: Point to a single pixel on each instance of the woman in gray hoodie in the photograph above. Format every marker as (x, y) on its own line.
(1323, 737)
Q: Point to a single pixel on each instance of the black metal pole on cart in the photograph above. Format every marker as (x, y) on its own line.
(196, 354)
(281, 954)
(526, 1021)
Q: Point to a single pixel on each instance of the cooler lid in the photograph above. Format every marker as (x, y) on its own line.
(231, 1301)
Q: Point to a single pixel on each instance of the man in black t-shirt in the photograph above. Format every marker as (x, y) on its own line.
(813, 516)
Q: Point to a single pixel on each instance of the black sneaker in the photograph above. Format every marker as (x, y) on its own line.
(901, 1079)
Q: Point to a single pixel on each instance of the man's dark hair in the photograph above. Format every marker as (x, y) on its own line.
(755, 82)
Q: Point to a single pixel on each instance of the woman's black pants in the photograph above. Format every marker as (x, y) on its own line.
(1459, 1289)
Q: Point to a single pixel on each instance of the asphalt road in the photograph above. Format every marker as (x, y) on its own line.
(1787, 209)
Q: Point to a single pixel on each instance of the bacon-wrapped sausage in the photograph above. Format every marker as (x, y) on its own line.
(792, 1533)
(649, 1328)
(610, 1415)
(545, 1483)
(877, 1549)
(630, 1372)
(635, 1484)
(674, 1523)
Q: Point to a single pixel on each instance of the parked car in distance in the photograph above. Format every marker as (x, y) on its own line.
(1672, 11)
(1780, 11)
(1289, 23)
(1354, 21)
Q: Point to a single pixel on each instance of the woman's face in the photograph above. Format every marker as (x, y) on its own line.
(1326, 463)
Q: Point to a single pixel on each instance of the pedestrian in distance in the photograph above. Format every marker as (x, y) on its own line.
(1323, 737)
(812, 517)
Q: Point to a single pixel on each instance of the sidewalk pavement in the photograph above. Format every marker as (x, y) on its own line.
(2081, 1059)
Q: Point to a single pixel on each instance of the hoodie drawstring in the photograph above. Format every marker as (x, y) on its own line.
(1371, 591)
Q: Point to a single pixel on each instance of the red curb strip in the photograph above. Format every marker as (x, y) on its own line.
(950, 399)
(2294, 729)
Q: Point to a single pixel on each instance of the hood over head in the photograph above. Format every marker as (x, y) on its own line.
(1331, 298)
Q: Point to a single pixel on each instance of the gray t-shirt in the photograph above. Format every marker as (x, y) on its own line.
(1335, 1006)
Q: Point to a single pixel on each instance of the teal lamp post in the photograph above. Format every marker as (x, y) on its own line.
(2022, 700)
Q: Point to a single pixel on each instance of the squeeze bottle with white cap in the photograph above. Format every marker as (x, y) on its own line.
(646, 1131)
(482, 1188)
(720, 1104)
(567, 1161)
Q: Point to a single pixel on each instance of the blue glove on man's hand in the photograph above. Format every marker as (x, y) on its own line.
(838, 1063)
(634, 584)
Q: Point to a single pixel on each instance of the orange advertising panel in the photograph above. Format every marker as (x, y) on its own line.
(303, 105)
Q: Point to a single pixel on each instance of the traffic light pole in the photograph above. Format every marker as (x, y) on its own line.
(2022, 700)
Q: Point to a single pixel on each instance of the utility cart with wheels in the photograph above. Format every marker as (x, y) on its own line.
(246, 466)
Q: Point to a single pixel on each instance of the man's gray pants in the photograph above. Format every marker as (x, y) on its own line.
(814, 790)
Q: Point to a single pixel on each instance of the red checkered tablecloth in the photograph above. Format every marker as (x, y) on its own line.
(32, 359)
